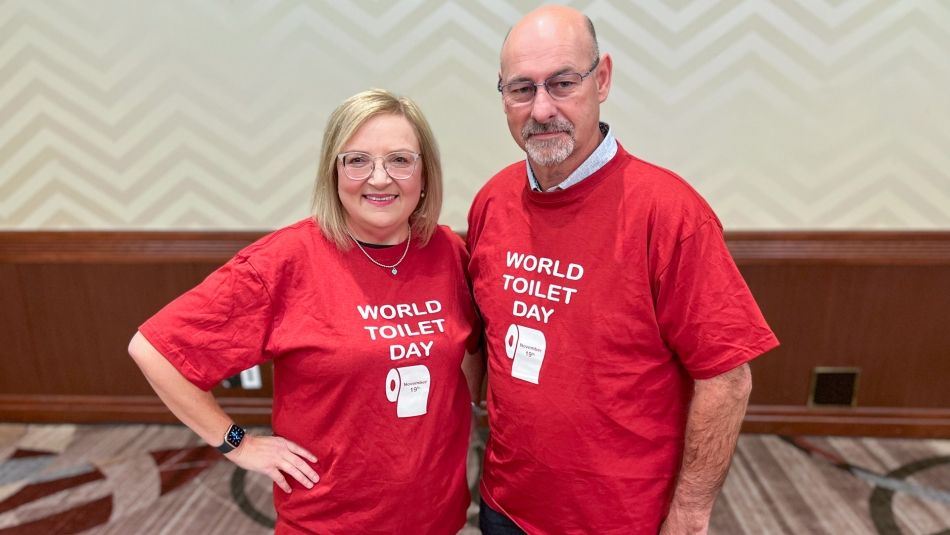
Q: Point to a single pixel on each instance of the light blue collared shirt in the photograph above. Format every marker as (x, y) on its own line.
(599, 158)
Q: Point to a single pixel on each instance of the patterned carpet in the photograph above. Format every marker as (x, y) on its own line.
(153, 479)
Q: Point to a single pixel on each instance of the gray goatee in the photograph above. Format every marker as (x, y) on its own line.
(548, 152)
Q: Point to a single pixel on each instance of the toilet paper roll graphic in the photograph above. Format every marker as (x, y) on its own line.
(526, 346)
(408, 388)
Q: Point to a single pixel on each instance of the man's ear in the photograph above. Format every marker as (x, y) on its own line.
(604, 76)
(500, 95)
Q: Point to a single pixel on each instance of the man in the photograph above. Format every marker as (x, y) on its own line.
(618, 326)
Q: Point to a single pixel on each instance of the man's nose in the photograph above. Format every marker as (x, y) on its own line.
(543, 107)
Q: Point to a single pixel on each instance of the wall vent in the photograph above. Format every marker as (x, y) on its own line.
(834, 386)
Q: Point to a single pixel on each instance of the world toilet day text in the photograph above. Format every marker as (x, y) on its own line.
(551, 292)
(403, 321)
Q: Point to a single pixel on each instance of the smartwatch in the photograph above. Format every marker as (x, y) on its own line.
(232, 439)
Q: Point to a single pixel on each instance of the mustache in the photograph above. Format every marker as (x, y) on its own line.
(533, 127)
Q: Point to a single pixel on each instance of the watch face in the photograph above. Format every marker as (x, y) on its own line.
(235, 436)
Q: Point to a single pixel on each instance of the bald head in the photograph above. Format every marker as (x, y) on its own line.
(568, 25)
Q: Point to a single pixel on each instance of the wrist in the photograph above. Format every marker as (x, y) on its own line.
(233, 438)
(692, 517)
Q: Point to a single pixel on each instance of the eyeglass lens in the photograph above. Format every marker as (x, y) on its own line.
(560, 86)
(359, 165)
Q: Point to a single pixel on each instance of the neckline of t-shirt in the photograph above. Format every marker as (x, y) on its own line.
(377, 245)
(580, 189)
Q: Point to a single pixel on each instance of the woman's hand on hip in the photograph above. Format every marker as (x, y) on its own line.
(276, 457)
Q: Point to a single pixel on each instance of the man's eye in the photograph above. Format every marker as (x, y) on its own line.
(520, 89)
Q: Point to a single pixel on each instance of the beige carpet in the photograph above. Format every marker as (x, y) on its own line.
(152, 479)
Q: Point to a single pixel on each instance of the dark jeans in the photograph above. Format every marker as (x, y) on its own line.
(491, 522)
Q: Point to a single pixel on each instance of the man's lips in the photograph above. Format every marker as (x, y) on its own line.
(547, 134)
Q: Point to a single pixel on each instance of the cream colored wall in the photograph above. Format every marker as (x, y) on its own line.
(181, 114)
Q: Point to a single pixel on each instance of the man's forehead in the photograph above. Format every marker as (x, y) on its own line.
(532, 61)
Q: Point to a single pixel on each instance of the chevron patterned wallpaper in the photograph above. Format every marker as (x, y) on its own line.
(207, 114)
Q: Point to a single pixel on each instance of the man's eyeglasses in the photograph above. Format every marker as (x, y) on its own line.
(360, 165)
(559, 86)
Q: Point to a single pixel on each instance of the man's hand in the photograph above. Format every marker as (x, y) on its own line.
(274, 457)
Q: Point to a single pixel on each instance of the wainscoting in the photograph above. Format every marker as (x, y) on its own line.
(874, 301)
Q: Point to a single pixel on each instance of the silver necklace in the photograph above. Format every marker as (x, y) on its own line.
(392, 268)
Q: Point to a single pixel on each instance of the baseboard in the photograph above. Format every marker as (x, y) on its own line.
(776, 419)
(863, 421)
(117, 409)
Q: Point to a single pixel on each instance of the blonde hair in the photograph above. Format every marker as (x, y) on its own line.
(342, 124)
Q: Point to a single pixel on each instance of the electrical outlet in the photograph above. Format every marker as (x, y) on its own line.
(232, 382)
(251, 378)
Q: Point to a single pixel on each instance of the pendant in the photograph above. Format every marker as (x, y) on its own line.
(394, 271)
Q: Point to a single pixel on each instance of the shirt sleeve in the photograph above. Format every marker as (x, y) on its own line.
(706, 313)
(218, 328)
(474, 341)
(465, 296)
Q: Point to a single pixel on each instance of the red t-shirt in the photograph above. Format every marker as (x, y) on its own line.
(366, 371)
(602, 303)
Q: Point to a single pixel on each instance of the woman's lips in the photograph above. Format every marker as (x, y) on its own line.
(379, 199)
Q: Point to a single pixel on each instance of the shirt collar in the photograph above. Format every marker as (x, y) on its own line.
(599, 158)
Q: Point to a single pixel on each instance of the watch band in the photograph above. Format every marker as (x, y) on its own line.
(232, 438)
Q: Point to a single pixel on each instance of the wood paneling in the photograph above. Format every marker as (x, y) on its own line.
(75, 300)
(878, 301)
(890, 321)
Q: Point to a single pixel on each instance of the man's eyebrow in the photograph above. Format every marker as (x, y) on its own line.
(516, 80)
(522, 78)
(563, 70)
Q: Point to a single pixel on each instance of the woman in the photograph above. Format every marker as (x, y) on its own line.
(365, 312)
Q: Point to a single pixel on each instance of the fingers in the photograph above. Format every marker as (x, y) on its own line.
(276, 457)
(295, 469)
(296, 466)
(280, 480)
(308, 474)
(301, 452)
